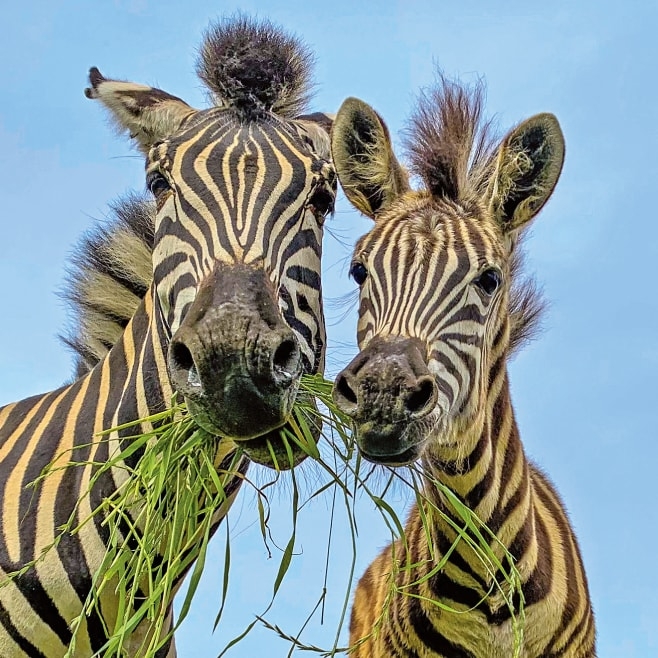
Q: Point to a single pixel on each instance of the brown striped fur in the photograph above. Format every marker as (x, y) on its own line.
(442, 305)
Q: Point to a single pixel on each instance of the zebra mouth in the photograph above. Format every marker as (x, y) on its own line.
(403, 458)
(390, 444)
(245, 421)
(268, 449)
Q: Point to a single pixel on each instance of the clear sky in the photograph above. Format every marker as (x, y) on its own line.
(585, 392)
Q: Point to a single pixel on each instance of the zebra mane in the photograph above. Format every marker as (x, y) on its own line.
(526, 302)
(255, 68)
(449, 145)
(110, 272)
(451, 148)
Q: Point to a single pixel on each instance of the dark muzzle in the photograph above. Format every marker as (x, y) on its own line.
(385, 390)
(233, 358)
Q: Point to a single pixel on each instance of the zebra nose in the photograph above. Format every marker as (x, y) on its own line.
(277, 361)
(388, 381)
(416, 397)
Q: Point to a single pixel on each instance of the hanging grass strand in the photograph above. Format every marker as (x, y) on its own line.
(166, 508)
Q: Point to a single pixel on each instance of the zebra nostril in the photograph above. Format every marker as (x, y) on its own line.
(285, 361)
(344, 395)
(183, 369)
(181, 356)
(420, 400)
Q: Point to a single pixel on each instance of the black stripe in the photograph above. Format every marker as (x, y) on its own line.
(27, 647)
(70, 550)
(429, 636)
(43, 606)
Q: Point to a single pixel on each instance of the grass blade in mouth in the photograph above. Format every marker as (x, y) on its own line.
(168, 503)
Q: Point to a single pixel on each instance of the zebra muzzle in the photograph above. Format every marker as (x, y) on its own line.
(386, 390)
(234, 359)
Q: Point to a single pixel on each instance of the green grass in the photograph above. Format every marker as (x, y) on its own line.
(348, 478)
(169, 501)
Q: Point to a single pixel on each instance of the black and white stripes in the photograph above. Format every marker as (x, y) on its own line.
(439, 312)
(213, 291)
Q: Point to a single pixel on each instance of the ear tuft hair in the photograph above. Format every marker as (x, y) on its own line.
(255, 68)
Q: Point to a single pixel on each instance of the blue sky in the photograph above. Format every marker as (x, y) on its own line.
(584, 392)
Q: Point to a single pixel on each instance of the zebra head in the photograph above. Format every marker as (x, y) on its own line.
(241, 192)
(439, 306)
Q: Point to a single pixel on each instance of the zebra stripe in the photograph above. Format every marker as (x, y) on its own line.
(239, 191)
(441, 307)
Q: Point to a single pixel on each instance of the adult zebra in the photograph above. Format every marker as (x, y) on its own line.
(232, 318)
(441, 307)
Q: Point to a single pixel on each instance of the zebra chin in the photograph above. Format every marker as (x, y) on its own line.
(388, 444)
(272, 451)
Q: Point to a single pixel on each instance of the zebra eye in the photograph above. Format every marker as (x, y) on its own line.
(358, 272)
(157, 183)
(321, 202)
(488, 281)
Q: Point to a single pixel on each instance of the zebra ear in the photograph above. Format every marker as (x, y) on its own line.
(367, 168)
(149, 114)
(526, 170)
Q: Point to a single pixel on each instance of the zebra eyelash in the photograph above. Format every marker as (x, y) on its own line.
(358, 272)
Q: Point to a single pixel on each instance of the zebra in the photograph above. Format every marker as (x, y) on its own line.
(230, 321)
(442, 307)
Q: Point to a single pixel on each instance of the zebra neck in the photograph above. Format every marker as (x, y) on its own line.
(488, 469)
(139, 382)
(132, 382)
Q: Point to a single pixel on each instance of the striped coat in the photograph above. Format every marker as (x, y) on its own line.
(442, 305)
(229, 317)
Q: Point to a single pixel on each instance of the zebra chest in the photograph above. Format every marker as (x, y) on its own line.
(467, 634)
(444, 629)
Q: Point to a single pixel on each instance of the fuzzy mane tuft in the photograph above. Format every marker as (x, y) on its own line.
(448, 143)
(110, 273)
(526, 302)
(255, 68)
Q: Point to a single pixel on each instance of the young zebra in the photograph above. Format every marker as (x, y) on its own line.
(441, 308)
(232, 318)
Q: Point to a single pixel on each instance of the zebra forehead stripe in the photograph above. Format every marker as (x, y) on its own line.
(236, 193)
